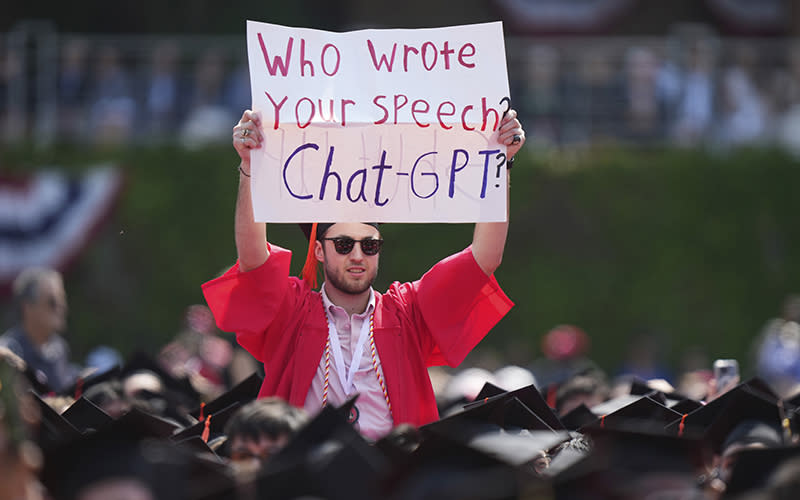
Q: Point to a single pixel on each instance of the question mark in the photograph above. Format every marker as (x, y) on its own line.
(506, 100)
(502, 158)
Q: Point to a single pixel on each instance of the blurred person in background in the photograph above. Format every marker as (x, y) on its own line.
(73, 76)
(643, 107)
(696, 104)
(539, 95)
(41, 307)
(20, 457)
(777, 349)
(163, 91)
(111, 99)
(743, 113)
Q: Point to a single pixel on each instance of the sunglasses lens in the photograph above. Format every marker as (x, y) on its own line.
(371, 247)
(344, 245)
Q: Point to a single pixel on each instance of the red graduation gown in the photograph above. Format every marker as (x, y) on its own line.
(435, 320)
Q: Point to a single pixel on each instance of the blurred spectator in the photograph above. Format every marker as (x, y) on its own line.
(594, 98)
(112, 104)
(41, 307)
(211, 362)
(73, 77)
(645, 358)
(644, 108)
(208, 119)
(696, 106)
(777, 349)
(103, 358)
(163, 92)
(786, 101)
(539, 98)
(743, 111)
(512, 377)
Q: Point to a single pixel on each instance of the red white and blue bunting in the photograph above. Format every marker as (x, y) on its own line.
(47, 218)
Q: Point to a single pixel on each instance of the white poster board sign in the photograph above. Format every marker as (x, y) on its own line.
(392, 125)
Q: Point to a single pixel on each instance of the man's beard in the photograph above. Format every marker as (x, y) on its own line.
(341, 283)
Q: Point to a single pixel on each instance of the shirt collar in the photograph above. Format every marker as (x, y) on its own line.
(330, 306)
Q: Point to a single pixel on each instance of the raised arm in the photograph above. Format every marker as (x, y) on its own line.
(489, 238)
(251, 236)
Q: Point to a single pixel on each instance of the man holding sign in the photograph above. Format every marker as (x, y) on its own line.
(323, 347)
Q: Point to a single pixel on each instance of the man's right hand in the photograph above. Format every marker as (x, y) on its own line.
(247, 136)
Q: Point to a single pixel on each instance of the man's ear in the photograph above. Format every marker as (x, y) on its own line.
(319, 252)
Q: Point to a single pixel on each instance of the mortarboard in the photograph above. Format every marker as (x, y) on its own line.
(503, 410)
(53, 428)
(754, 467)
(178, 390)
(447, 467)
(720, 416)
(87, 380)
(578, 417)
(211, 427)
(531, 398)
(489, 390)
(327, 458)
(632, 464)
(644, 413)
(685, 406)
(85, 416)
(243, 392)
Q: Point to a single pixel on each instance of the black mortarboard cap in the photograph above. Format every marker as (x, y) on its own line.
(578, 417)
(720, 416)
(643, 414)
(531, 398)
(327, 458)
(243, 392)
(86, 416)
(489, 390)
(179, 390)
(53, 428)
(216, 424)
(504, 410)
(631, 464)
(87, 380)
(754, 467)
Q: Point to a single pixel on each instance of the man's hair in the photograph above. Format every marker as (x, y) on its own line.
(28, 283)
(272, 417)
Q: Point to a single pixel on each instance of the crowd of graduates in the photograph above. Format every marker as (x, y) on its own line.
(137, 431)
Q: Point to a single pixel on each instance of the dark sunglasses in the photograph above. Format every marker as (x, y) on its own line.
(344, 245)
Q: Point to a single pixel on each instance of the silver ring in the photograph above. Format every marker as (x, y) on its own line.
(516, 139)
(242, 139)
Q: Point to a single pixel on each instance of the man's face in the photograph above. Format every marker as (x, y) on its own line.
(352, 273)
(48, 310)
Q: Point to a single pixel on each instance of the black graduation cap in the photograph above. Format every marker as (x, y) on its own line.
(327, 458)
(631, 464)
(92, 378)
(243, 392)
(446, 467)
(578, 417)
(644, 414)
(54, 428)
(504, 410)
(755, 466)
(531, 398)
(178, 390)
(85, 415)
(216, 424)
(489, 390)
(720, 416)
